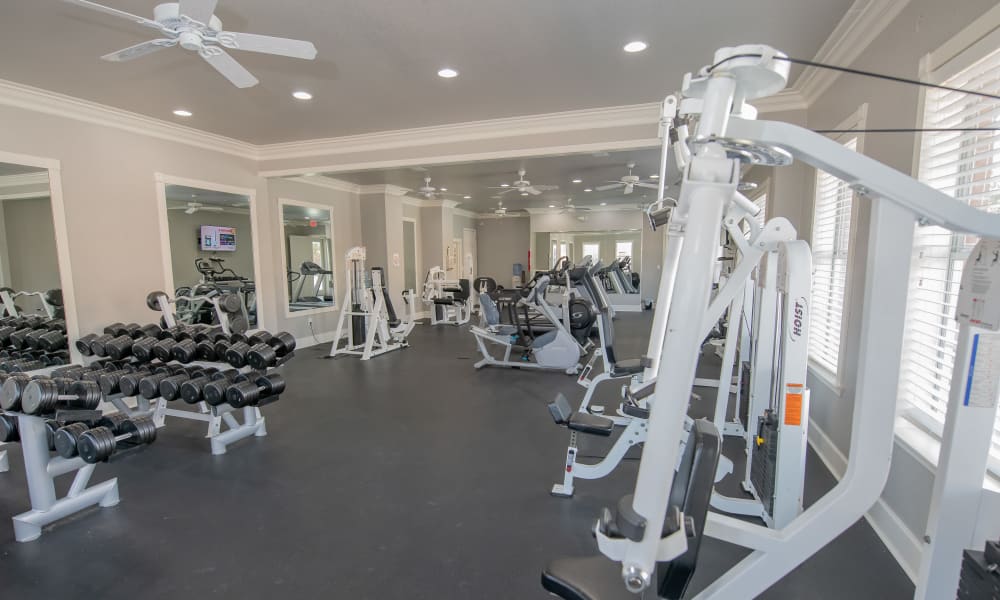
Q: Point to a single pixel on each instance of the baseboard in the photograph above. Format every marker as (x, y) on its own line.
(904, 546)
(320, 338)
(626, 307)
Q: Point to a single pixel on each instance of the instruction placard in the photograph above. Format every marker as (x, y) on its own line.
(983, 385)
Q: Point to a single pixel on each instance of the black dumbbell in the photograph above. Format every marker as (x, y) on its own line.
(185, 351)
(112, 328)
(249, 393)
(170, 387)
(100, 443)
(120, 347)
(43, 395)
(8, 428)
(18, 338)
(266, 352)
(32, 339)
(108, 380)
(52, 341)
(10, 393)
(142, 349)
(192, 391)
(66, 438)
(83, 344)
(98, 345)
(163, 348)
(51, 427)
(214, 392)
(236, 355)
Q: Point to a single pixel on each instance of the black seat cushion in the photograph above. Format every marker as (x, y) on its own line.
(444, 301)
(588, 423)
(633, 410)
(626, 367)
(587, 578)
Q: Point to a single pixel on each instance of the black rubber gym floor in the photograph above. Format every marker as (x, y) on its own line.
(409, 476)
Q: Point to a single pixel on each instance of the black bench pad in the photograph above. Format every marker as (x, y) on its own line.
(627, 367)
(588, 423)
(586, 578)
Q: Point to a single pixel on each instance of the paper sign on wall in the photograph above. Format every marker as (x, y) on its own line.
(395, 259)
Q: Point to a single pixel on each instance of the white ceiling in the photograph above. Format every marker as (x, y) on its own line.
(475, 179)
(377, 62)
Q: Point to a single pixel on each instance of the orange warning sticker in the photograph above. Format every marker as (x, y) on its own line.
(793, 408)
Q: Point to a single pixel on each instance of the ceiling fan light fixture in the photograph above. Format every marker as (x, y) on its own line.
(604, 203)
(504, 185)
(552, 206)
(654, 176)
(302, 95)
(588, 190)
(636, 46)
(444, 189)
(578, 181)
(467, 197)
(180, 112)
(447, 73)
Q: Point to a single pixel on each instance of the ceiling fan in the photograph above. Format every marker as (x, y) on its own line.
(192, 207)
(629, 182)
(524, 187)
(192, 25)
(572, 208)
(500, 210)
(428, 191)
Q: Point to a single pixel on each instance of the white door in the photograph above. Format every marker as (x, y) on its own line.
(469, 258)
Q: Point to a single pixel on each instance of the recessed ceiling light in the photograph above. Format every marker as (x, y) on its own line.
(524, 193)
(587, 190)
(194, 195)
(180, 112)
(654, 176)
(577, 181)
(604, 203)
(635, 46)
(467, 197)
(504, 185)
(444, 189)
(447, 73)
(552, 206)
(302, 95)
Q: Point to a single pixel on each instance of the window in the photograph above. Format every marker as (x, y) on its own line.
(761, 203)
(831, 237)
(966, 166)
(623, 249)
(592, 250)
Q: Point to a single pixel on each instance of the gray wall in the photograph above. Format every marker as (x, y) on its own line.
(501, 243)
(31, 245)
(184, 247)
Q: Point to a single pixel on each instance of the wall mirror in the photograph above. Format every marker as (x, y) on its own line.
(210, 248)
(307, 247)
(29, 260)
(617, 250)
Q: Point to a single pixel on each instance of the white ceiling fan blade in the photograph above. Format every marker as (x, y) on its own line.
(198, 10)
(227, 65)
(191, 210)
(533, 190)
(648, 186)
(116, 13)
(604, 188)
(252, 42)
(546, 188)
(628, 188)
(139, 50)
(212, 208)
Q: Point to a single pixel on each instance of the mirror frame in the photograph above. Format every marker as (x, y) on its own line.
(162, 181)
(290, 314)
(62, 239)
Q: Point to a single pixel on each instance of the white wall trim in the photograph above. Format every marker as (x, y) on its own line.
(889, 527)
(39, 178)
(43, 101)
(510, 215)
(25, 195)
(861, 25)
(329, 183)
(384, 188)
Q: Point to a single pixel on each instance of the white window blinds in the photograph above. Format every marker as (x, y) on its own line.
(761, 202)
(966, 166)
(831, 236)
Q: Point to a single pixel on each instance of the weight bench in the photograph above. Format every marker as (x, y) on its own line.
(597, 578)
(575, 420)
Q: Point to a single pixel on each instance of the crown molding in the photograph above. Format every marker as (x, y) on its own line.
(39, 178)
(860, 26)
(25, 195)
(465, 213)
(384, 188)
(328, 182)
(510, 215)
(785, 100)
(60, 105)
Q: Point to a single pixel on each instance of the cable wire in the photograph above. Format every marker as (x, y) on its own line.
(812, 63)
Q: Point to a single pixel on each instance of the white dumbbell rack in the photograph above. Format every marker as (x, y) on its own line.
(41, 470)
(215, 416)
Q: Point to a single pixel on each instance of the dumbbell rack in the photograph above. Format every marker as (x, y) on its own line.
(4, 460)
(41, 469)
(215, 416)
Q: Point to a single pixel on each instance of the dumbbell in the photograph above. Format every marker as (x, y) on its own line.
(236, 354)
(170, 387)
(98, 345)
(52, 341)
(251, 392)
(51, 427)
(163, 348)
(18, 338)
(119, 347)
(192, 391)
(31, 340)
(266, 352)
(185, 351)
(43, 395)
(128, 384)
(214, 392)
(8, 428)
(66, 438)
(149, 386)
(83, 344)
(99, 443)
(10, 393)
(142, 349)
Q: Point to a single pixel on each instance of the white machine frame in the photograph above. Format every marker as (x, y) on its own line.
(435, 283)
(725, 130)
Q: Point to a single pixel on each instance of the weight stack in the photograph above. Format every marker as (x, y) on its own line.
(977, 581)
(358, 325)
(765, 458)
